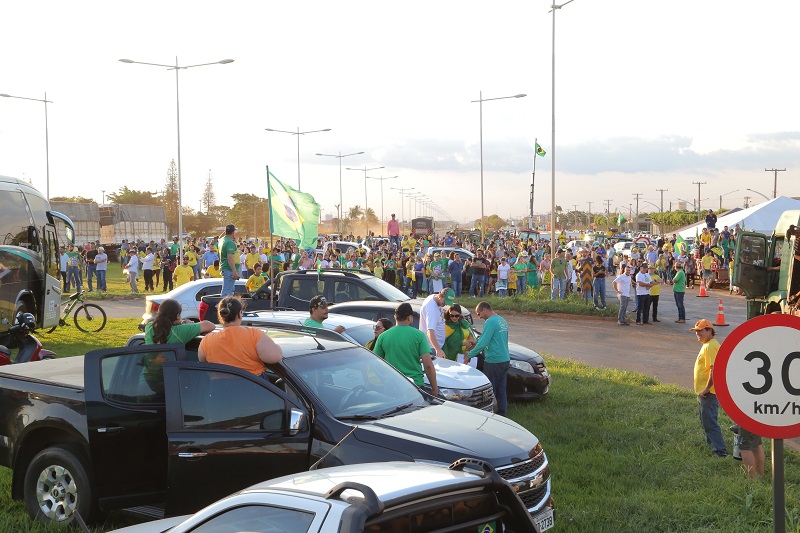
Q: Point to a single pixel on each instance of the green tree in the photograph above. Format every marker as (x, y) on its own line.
(250, 214)
(170, 197)
(492, 223)
(75, 199)
(133, 197)
(209, 198)
(372, 218)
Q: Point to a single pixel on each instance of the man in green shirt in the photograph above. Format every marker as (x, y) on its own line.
(494, 342)
(558, 270)
(679, 291)
(318, 307)
(229, 260)
(403, 347)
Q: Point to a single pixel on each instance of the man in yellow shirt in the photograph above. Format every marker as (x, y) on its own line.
(255, 281)
(251, 259)
(704, 386)
(183, 273)
(655, 291)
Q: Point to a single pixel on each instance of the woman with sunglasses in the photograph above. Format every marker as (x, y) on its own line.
(381, 325)
(458, 337)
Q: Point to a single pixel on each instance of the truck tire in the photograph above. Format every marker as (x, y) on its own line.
(57, 486)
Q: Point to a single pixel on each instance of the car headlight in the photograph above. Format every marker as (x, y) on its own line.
(455, 395)
(522, 365)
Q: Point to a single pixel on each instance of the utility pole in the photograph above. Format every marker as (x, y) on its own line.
(698, 183)
(746, 202)
(576, 213)
(589, 219)
(637, 195)
(775, 185)
(662, 191)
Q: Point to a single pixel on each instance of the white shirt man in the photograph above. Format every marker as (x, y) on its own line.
(431, 321)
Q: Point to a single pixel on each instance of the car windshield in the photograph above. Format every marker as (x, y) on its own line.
(354, 383)
(386, 290)
(362, 334)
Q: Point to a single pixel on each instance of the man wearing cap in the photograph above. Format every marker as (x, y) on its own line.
(456, 269)
(431, 321)
(393, 230)
(229, 260)
(708, 405)
(318, 308)
(101, 266)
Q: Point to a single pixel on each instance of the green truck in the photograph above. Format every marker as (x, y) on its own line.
(767, 268)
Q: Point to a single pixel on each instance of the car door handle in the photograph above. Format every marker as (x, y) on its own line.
(112, 429)
(191, 455)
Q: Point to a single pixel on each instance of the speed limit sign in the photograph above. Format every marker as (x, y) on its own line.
(757, 376)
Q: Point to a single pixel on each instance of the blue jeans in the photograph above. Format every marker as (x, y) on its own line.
(708, 409)
(101, 280)
(74, 277)
(642, 305)
(679, 302)
(478, 282)
(228, 283)
(419, 279)
(560, 286)
(521, 280)
(394, 242)
(623, 308)
(600, 291)
(456, 283)
(498, 377)
(91, 271)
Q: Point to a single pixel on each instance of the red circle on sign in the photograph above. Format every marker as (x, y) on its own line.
(721, 370)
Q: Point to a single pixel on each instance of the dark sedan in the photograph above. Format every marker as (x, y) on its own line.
(528, 378)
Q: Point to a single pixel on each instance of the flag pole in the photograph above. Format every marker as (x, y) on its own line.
(271, 247)
(533, 181)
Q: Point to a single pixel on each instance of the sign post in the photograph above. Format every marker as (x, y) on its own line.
(758, 385)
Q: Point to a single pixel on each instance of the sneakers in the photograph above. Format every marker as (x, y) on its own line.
(656, 320)
(638, 323)
(680, 321)
(623, 324)
(721, 455)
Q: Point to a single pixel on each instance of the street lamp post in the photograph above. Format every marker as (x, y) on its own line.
(726, 194)
(480, 102)
(298, 133)
(177, 69)
(383, 218)
(46, 133)
(402, 208)
(366, 206)
(767, 198)
(341, 205)
(553, 8)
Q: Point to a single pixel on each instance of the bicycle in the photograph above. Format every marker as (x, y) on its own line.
(89, 318)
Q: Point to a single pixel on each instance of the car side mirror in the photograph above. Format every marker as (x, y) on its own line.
(297, 421)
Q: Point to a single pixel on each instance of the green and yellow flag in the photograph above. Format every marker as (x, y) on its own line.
(292, 213)
(680, 245)
(540, 151)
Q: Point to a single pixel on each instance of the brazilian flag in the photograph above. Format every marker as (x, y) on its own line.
(292, 213)
(620, 219)
(540, 151)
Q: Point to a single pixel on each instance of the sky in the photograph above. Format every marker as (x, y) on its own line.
(648, 96)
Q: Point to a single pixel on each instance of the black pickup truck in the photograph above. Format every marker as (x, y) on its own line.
(295, 288)
(151, 426)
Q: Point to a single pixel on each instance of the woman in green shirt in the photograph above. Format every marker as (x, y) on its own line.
(679, 291)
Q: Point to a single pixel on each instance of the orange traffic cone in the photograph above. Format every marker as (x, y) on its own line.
(702, 289)
(720, 321)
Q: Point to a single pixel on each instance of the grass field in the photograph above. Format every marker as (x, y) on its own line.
(626, 453)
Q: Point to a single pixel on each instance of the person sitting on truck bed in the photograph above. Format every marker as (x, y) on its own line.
(236, 345)
(255, 281)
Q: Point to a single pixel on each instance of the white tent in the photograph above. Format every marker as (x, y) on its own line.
(761, 218)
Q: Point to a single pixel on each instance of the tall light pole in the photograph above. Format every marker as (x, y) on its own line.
(341, 206)
(46, 133)
(366, 206)
(177, 68)
(480, 102)
(698, 183)
(775, 170)
(298, 133)
(726, 194)
(553, 8)
(759, 193)
(402, 215)
(382, 179)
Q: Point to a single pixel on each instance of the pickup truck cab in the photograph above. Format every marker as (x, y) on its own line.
(148, 425)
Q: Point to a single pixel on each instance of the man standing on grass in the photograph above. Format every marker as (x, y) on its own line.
(494, 343)
(704, 386)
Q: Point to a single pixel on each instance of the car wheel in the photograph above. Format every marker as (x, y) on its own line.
(57, 487)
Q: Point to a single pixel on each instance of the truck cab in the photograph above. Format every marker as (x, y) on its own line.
(767, 268)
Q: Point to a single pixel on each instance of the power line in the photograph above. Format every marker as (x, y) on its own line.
(775, 184)
(698, 183)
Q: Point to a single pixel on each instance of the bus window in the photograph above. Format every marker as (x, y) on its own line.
(52, 257)
(15, 221)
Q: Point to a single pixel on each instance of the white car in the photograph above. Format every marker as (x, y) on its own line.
(459, 383)
(344, 246)
(367, 497)
(189, 296)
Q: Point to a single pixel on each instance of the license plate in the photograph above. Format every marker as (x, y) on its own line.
(544, 520)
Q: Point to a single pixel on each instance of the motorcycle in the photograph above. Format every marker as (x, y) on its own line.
(20, 336)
